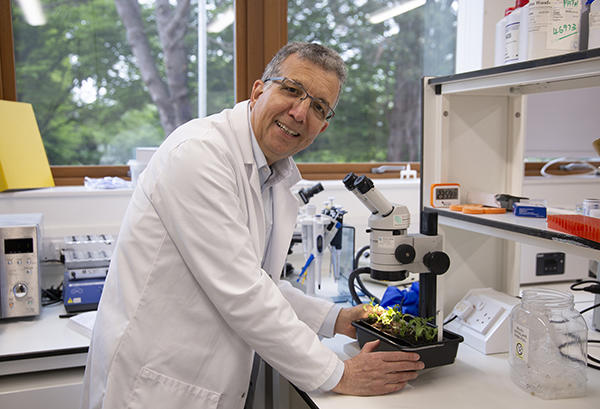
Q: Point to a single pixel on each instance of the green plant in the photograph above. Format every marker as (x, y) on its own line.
(406, 326)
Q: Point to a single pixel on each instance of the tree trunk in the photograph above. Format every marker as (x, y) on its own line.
(405, 117)
(171, 98)
(405, 121)
(172, 26)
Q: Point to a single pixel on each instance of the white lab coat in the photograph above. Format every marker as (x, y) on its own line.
(186, 301)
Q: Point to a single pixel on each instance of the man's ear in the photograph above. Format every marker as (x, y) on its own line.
(324, 127)
(257, 90)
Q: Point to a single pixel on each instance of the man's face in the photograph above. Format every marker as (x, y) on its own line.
(282, 125)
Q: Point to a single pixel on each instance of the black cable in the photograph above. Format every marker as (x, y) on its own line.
(52, 295)
(589, 308)
(591, 357)
(451, 319)
(359, 253)
(354, 276)
(595, 289)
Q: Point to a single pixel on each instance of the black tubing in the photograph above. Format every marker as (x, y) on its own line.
(359, 253)
(355, 276)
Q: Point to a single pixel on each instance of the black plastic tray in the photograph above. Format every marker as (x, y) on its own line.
(435, 354)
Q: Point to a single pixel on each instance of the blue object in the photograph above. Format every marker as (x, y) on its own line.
(407, 298)
(308, 261)
(528, 210)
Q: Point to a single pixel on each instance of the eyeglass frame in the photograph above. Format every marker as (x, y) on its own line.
(331, 112)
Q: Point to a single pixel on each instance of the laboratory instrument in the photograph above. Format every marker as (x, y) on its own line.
(445, 194)
(87, 258)
(395, 253)
(20, 241)
(305, 194)
(548, 345)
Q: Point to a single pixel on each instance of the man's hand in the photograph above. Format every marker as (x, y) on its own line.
(377, 373)
(343, 323)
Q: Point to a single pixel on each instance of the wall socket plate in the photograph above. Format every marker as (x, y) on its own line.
(482, 319)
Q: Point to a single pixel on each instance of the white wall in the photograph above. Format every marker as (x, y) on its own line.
(548, 132)
(77, 210)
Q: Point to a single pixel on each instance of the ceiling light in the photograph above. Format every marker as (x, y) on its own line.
(32, 10)
(387, 13)
(221, 21)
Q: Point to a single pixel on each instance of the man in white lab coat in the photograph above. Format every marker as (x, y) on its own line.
(193, 288)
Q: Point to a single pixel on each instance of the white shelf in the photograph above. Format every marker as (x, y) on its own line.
(533, 231)
(568, 71)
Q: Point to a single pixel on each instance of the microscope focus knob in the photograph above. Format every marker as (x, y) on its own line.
(405, 253)
(437, 262)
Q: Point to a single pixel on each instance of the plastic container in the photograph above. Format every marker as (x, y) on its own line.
(500, 39)
(548, 345)
(578, 225)
(135, 169)
(434, 354)
(548, 28)
(512, 33)
(594, 25)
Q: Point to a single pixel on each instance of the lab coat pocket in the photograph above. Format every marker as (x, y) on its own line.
(155, 390)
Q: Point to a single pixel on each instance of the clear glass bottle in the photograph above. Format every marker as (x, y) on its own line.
(548, 345)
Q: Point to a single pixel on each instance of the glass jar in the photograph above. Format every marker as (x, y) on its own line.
(548, 345)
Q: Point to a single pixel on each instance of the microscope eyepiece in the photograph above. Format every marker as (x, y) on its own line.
(349, 181)
(306, 194)
(363, 184)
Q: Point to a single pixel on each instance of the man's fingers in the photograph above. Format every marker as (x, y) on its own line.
(395, 356)
(389, 356)
(400, 366)
(370, 346)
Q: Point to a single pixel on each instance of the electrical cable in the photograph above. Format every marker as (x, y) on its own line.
(52, 295)
(359, 254)
(543, 170)
(595, 341)
(589, 308)
(594, 289)
(451, 319)
(354, 276)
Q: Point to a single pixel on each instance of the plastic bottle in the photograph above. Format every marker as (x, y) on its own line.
(548, 345)
(512, 32)
(594, 24)
(552, 28)
(500, 38)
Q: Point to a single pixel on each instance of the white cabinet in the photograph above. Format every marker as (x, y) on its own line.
(474, 134)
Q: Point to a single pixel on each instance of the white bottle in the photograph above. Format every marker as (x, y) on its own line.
(511, 36)
(553, 28)
(500, 38)
(594, 19)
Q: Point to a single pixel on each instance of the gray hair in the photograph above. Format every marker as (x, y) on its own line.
(321, 56)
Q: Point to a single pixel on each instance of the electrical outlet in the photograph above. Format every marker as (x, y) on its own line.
(485, 315)
(51, 248)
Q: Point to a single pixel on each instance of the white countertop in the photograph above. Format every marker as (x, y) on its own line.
(41, 343)
(474, 380)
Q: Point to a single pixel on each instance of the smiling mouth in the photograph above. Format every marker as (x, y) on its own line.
(286, 129)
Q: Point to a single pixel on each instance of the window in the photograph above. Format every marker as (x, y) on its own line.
(105, 76)
(387, 51)
(378, 117)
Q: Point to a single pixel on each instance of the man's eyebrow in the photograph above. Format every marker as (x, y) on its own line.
(304, 86)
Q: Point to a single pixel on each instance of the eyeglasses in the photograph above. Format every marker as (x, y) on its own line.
(293, 89)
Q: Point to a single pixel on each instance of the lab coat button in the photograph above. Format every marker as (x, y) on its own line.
(243, 395)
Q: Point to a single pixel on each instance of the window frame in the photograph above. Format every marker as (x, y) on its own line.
(260, 30)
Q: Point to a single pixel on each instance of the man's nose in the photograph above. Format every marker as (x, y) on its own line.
(300, 108)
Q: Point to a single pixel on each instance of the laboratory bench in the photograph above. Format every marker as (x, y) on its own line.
(42, 363)
(474, 380)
